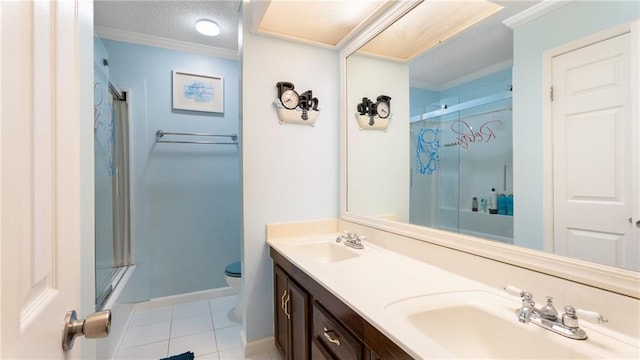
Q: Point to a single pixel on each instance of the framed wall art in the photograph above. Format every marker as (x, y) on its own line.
(198, 92)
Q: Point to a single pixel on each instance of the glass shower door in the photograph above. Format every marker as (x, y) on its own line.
(459, 155)
(112, 227)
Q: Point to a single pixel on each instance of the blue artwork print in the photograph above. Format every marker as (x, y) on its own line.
(198, 91)
(427, 157)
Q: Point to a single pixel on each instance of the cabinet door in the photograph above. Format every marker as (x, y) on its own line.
(280, 317)
(298, 309)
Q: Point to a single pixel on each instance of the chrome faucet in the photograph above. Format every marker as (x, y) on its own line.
(351, 240)
(547, 316)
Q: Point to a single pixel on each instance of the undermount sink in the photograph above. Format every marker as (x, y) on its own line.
(477, 324)
(326, 251)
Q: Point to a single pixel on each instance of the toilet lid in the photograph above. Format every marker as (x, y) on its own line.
(233, 269)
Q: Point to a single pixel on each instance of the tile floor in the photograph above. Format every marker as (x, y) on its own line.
(202, 327)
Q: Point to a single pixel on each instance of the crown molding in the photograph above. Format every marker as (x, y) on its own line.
(534, 12)
(169, 44)
(368, 31)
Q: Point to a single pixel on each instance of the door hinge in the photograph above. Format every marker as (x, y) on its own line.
(551, 93)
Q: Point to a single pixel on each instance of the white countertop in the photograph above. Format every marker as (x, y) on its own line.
(379, 277)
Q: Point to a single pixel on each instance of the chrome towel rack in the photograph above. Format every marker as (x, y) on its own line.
(160, 134)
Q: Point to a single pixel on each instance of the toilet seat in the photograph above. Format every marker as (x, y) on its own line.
(233, 270)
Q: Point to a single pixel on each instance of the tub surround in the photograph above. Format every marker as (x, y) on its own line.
(384, 274)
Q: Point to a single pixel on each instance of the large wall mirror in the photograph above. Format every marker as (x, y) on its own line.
(476, 145)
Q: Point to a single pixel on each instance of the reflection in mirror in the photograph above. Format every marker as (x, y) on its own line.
(469, 116)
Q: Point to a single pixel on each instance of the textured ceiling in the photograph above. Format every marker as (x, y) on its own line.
(482, 46)
(172, 19)
(427, 25)
(333, 21)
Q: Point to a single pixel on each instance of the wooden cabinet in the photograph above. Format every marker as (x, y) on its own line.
(311, 323)
(291, 317)
(335, 339)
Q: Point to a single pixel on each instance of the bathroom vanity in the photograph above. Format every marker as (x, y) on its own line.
(335, 302)
(310, 322)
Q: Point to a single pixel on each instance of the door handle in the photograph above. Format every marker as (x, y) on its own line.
(96, 325)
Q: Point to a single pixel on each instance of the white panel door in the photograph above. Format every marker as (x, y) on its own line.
(593, 159)
(40, 168)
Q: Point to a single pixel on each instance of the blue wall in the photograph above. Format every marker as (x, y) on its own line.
(186, 198)
(422, 101)
(571, 22)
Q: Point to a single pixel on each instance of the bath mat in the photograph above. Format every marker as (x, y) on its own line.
(186, 356)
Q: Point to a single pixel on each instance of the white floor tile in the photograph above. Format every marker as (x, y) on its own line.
(212, 356)
(228, 338)
(232, 354)
(153, 351)
(199, 344)
(191, 309)
(238, 354)
(223, 303)
(221, 320)
(146, 334)
(191, 325)
(151, 316)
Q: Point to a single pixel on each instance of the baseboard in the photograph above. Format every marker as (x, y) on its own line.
(183, 298)
(256, 347)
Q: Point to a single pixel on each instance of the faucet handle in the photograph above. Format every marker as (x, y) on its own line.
(527, 298)
(591, 316)
(571, 314)
(350, 235)
(513, 291)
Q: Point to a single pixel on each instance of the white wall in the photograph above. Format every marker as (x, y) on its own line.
(378, 161)
(290, 172)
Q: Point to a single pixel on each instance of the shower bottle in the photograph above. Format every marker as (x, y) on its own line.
(492, 204)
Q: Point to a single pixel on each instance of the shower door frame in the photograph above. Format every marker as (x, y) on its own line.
(121, 244)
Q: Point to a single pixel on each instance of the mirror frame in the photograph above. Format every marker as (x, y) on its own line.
(622, 281)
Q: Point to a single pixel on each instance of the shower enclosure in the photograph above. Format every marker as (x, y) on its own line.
(459, 154)
(111, 171)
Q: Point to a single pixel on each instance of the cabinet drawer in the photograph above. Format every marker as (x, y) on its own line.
(333, 337)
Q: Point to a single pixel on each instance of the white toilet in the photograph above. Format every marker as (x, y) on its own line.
(233, 277)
